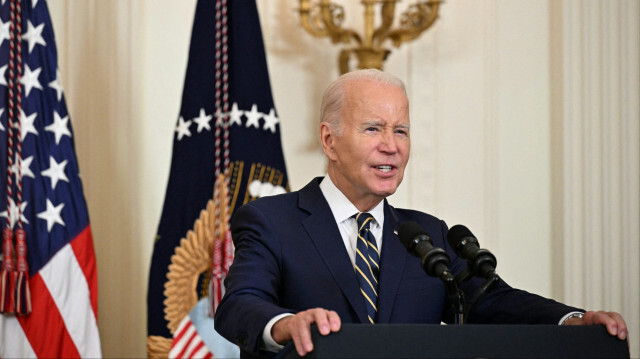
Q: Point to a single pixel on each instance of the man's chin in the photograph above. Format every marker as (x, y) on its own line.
(387, 188)
(384, 192)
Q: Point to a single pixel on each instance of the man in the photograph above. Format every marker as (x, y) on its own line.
(298, 259)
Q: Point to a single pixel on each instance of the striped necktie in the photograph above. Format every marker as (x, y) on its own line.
(367, 259)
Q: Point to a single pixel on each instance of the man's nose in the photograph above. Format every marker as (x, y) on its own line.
(388, 142)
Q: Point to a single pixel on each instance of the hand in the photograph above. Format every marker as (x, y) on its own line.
(616, 326)
(297, 327)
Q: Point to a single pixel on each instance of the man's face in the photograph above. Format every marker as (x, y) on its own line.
(368, 159)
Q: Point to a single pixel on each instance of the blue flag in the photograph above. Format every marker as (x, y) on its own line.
(41, 196)
(227, 125)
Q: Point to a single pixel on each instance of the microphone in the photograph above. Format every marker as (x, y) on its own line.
(435, 261)
(481, 262)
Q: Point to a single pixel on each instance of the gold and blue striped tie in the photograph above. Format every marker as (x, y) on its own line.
(367, 260)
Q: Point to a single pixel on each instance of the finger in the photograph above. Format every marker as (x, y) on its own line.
(603, 318)
(334, 321)
(322, 320)
(301, 332)
(621, 324)
(299, 348)
(302, 341)
(328, 321)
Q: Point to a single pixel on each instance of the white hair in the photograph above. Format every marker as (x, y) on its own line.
(333, 97)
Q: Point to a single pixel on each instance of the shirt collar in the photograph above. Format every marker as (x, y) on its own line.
(340, 205)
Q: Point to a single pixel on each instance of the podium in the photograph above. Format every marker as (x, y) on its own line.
(463, 341)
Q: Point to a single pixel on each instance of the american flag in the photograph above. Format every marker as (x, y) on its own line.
(41, 191)
(227, 125)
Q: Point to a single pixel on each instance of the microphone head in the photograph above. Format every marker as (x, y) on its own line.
(481, 262)
(464, 243)
(458, 232)
(407, 232)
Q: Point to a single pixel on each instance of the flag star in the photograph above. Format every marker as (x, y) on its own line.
(52, 215)
(183, 128)
(56, 171)
(270, 121)
(59, 126)
(235, 116)
(57, 85)
(14, 212)
(26, 123)
(4, 31)
(203, 121)
(34, 35)
(253, 116)
(33, 3)
(25, 167)
(3, 78)
(30, 79)
(1, 112)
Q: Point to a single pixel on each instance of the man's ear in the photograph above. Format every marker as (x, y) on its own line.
(327, 140)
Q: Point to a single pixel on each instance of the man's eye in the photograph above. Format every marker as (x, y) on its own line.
(371, 129)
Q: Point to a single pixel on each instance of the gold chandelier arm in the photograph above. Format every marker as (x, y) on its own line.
(414, 21)
(332, 16)
(387, 13)
(343, 60)
(325, 19)
(314, 29)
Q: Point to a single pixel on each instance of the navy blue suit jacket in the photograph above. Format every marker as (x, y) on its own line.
(290, 257)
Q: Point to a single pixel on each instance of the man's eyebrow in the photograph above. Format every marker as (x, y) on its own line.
(378, 123)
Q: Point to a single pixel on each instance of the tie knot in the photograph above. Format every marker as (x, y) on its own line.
(363, 219)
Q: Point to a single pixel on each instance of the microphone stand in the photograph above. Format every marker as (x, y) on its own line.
(492, 279)
(456, 296)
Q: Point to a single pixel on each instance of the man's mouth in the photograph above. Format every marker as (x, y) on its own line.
(385, 168)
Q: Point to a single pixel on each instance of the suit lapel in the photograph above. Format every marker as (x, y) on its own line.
(324, 233)
(392, 263)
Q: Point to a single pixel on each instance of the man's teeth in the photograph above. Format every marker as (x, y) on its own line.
(384, 168)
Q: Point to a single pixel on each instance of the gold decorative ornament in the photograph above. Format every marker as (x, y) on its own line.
(192, 258)
(323, 18)
(194, 255)
(158, 347)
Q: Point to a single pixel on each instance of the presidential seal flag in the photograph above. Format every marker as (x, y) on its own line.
(48, 278)
(226, 152)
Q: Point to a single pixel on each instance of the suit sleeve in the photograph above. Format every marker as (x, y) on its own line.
(503, 304)
(252, 283)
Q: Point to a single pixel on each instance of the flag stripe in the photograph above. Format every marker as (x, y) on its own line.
(13, 341)
(194, 346)
(47, 333)
(197, 351)
(83, 249)
(182, 329)
(182, 338)
(70, 291)
(188, 343)
(186, 340)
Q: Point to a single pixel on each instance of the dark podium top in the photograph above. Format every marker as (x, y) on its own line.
(464, 341)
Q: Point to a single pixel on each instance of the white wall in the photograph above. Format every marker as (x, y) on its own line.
(484, 92)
